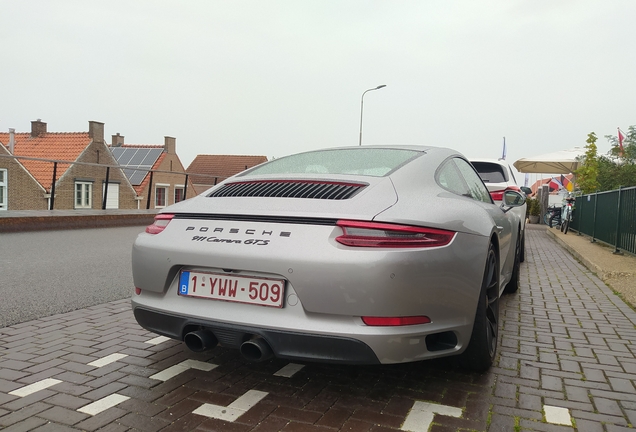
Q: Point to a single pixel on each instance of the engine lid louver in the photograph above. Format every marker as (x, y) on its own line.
(290, 189)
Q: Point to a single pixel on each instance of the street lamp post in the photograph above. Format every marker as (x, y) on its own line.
(362, 106)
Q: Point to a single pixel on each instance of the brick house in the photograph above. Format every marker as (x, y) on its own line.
(213, 169)
(27, 183)
(165, 184)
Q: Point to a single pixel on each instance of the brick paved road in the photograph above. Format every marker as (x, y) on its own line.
(567, 362)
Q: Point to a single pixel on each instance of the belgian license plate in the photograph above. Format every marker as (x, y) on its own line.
(240, 289)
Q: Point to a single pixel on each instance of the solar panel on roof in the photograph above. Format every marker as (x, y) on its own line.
(137, 177)
(122, 155)
(141, 158)
(137, 157)
(151, 157)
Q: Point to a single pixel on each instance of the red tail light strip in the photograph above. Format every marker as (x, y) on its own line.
(160, 223)
(383, 235)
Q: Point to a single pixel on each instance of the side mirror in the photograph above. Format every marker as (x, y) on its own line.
(526, 190)
(513, 198)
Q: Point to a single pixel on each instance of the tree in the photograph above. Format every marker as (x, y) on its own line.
(587, 173)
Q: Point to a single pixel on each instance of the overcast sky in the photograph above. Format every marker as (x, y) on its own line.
(278, 77)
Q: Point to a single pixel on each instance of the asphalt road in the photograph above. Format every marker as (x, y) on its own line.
(44, 273)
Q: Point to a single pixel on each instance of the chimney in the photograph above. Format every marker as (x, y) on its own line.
(38, 127)
(96, 131)
(11, 140)
(170, 145)
(118, 140)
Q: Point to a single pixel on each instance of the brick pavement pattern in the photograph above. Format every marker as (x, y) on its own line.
(567, 341)
(567, 362)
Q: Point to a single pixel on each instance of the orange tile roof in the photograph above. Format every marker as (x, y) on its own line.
(221, 166)
(141, 146)
(51, 145)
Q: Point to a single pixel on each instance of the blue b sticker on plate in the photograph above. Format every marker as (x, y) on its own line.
(183, 282)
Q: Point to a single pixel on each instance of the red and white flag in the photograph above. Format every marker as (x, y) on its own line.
(621, 138)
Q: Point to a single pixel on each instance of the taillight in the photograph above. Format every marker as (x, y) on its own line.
(498, 195)
(395, 321)
(383, 235)
(160, 223)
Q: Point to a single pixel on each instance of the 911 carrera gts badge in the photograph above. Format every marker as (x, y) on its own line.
(257, 242)
(241, 232)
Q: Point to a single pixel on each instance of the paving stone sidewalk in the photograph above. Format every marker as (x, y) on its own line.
(567, 363)
(569, 342)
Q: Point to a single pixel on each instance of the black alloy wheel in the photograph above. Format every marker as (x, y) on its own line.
(482, 348)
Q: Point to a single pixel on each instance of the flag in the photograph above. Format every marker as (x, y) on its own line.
(621, 138)
(554, 184)
(567, 184)
(503, 152)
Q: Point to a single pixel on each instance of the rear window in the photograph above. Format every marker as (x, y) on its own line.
(491, 172)
(360, 161)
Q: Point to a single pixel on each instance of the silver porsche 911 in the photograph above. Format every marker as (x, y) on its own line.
(359, 255)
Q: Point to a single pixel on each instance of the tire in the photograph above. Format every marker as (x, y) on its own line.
(565, 226)
(513, 285)
(482, 348)
(522, 254)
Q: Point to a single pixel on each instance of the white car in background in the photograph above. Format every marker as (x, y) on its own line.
(498, 177)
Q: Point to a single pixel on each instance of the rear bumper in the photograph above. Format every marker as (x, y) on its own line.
(289, 345)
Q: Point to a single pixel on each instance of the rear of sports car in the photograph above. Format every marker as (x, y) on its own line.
(303, 267)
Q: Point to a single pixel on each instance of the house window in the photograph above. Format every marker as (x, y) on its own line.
(161, 192)
(179, 192)
(83, 194)
(3, 189)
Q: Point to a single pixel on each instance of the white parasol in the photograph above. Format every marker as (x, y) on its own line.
(559, 162)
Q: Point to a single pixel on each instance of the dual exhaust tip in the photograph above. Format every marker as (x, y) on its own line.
(255, 349)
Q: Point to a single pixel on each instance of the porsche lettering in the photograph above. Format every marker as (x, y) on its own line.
(239, 231)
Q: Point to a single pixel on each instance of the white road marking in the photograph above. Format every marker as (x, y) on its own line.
(172, 371)
(289, 370)
(157, 340)
(175, 370)
(233, 410)
(421, 416)
(103, 404)
(557, 415)
(35, 387)
(107, 360)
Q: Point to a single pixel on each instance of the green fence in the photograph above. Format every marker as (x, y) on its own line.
(609, 217)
